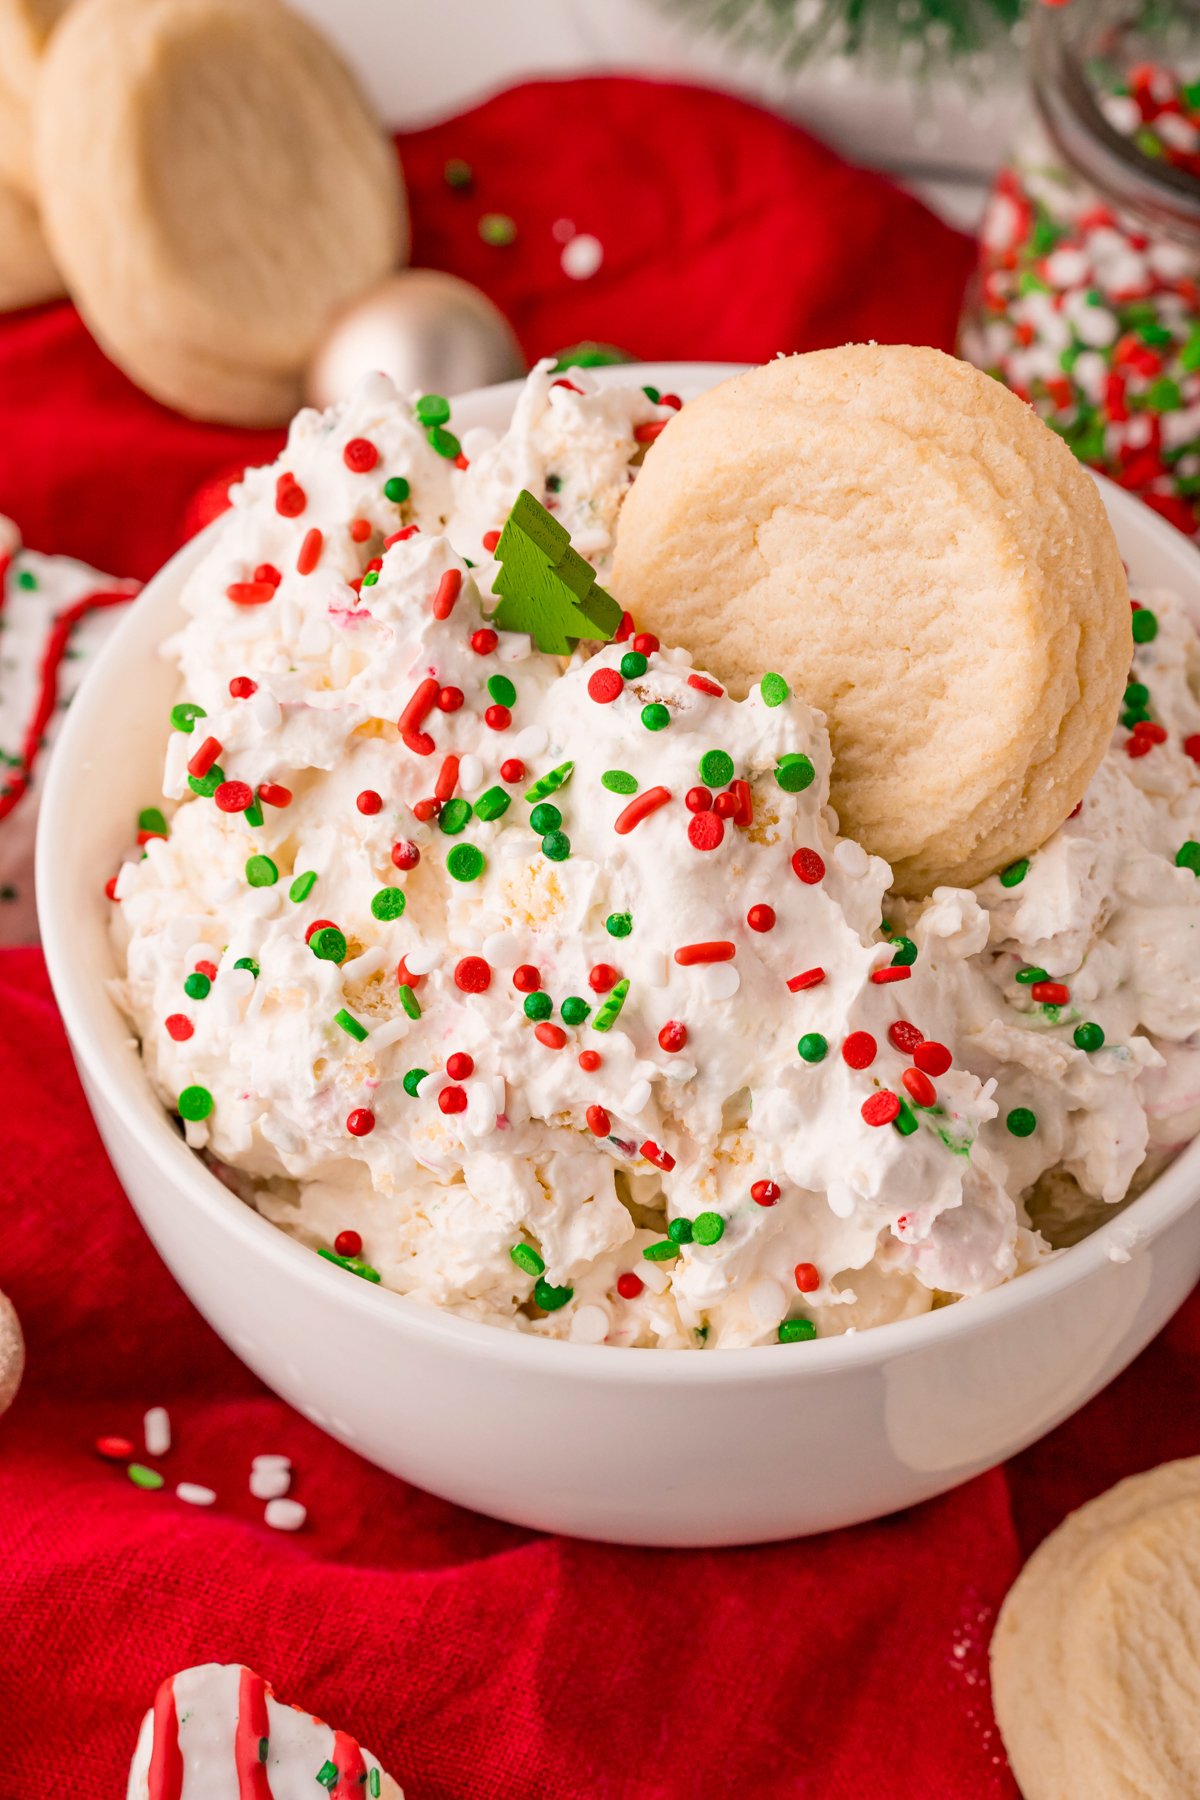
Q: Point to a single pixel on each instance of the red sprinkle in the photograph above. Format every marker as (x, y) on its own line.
(808, 866)
(290, 498)
(645, 643)
(743, 814)
(360, 530)
(460, 1066)
(512, 770)
(640, 808)
(250, 593)
(1191, 746)
(424, 810)
(625, 628)
(881, 977)
(807, 1277)
(369, 802)
(490, 540)
(1146, 728)
(553, 1036)
(361, 1122)
(114, 1449)
(604, 685)
(761, 917)
(646, 434)
(629, 1285)
(881, 1108)
(859, 1050)
(688, 954)
(204, 967)
(234, 796)
(205, 757)
(931, 1057)
(809, 978)
(1138, 746)
(706, 686)
(180, 1027)
(241, 687)
(1050, 993)
(405, 978)
(449, 699)
(673, 1036)
(920, 1087)
(698, 799)
(110, 888)
(662, 1159)
(904, 1037)
(448, 590)
(603, 978)
(310, 551)
(402, 536)
(452, 1100)
(526, 979)
(725, 805)
(589, 1061)
(598, 1121)
(705, 831)
(497, 718)
(484, 641)
(348, 1243)
(765, 1193)
(405, 855)
(360, 455)
(447, 779)
(473, 974)
(272, 794)
(423, 701)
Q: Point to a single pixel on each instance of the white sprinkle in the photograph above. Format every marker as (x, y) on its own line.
(530, 742)
(767, 1300)
(513, 646)
(195, 1134)
(501, 950)
(589, 1325)
(851, 858)
(636, 1100)
(655, 1275)
(156, 1427)
(433, 1084)
(679, 1069)
(271, 1459)
(200, 952)
(284, 1515)
(470, 773)
(193, 1494)
(268, 714)
(842, 1199)
(390, 1032)
(720, 981)
(270, 1482)
(582, 256)
(369, 963)
(421, 959)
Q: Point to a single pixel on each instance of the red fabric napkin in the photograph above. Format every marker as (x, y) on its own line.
(479, 1661)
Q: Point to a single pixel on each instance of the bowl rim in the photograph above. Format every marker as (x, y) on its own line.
(96, 1031)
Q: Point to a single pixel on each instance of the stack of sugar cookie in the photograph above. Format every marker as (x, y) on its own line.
(212, 186)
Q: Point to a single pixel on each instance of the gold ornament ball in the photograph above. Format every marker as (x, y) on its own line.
(12, 1353)
(432, 333)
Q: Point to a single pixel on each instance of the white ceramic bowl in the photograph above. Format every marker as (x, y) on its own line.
(642, 1447)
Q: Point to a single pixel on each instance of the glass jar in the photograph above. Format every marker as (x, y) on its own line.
(1086, 301)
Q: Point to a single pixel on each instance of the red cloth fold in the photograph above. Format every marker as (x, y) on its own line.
(476, 1659)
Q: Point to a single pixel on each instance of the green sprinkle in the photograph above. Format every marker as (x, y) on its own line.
(708, 1228)
(327, 1775)
(194, 1103)
(556, 845)
(610, 1010)
(370, 578)
(1163, 395)
(196, 985)
(497, 229)
(151, 819)
(413, 1077)
(455, 816)
(397, 490)
(373, 1778)
(329, 944)
(774, 690)
(905, 953)
(1015, 873)
(618, 925)
(207, 785)
(663, 1251)
(1021, 1122)
(388, 903)
(1188, 856)
(549, 1297)
(184, 716)
(633, 664)
(264, 1746)
(550, 782)
(502, 690)
(248, 962)
(1137, 694)
(354, 1264)
(794, 773)
(716, 768)
(1145, 626)
(492, 804)
(527, 1258)
(143, 1477)
(617, 781)
(465, 863)
(652, 394)
(27, 579)
(574, 1009)
(655, 717)
(812, 1047)
(409, 1001)
(538, 1006)
(456, 174)
(797, 1331)
(444, 442)
(1027, 977)
(253, 814)
(350, 1025)
(905, 1121)
(261, 872)
(1134, 715)
(303, 886)
(433, 409)
(1089, 1036)
(544, 818)
(1189, 356)
(680, 1231)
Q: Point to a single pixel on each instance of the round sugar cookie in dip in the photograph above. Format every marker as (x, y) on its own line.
(905, 543)
(1095, 1667)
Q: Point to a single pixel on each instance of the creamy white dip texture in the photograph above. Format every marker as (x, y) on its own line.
(552, 991)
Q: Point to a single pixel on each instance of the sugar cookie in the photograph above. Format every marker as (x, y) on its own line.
(1095, 1658)
(254, 192)
(213, 1730)
(12, 1353)
(25, 25)
(27, 271)
(920, 556)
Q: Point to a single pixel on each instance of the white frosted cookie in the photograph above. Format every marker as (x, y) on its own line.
(12, 1353)
(1096, 1653)
(27, 271)
(217, 1732)
(215, 188)
(906, 543)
